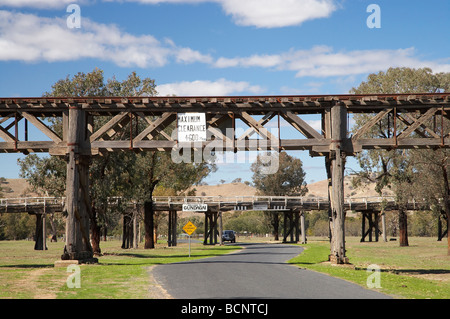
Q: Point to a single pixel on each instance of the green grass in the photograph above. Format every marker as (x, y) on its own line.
(417, 272)
(120, 274)
(421, 270)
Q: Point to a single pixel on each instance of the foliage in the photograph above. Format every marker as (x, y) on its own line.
(16, 226)
(409, 173)
(126, 174)
(44, 174)
(252, 222)
(393, 168)
(288, 180)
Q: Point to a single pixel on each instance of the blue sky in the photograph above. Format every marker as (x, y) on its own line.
(219, 47)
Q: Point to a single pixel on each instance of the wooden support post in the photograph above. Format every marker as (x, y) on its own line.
(44, 228)
(172, 232)
(376, 217)
(175, 227)
(211, 232)
(302, 223)
(363, 227)
(78, 246)
(39, 235)
(292, 225)
(169, 230)
(127, 233)
(338, 158)
(214, 232)
(297, 226)
(205, 238)
(220, 229)
(149, 225)
(373, 219)
(290, 228)
(383, 225)
(285, 233)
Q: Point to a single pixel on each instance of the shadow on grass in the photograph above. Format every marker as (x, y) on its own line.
(27, 266)
(418, 271)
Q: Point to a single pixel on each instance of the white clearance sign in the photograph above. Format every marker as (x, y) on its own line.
(195, 207)
(191, 127)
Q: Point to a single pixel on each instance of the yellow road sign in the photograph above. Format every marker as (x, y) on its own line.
(189, 228)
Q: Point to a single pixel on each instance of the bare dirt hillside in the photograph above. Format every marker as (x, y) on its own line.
(232, 189)
(20, 188)
(319, 189)
(16, 187)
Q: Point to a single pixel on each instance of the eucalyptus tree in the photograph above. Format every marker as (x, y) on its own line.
(128, 175)
(398, 169)
(287, 180)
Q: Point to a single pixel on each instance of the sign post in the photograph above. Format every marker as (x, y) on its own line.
(189, 229)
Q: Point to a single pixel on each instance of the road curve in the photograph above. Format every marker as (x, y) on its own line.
(257, 271)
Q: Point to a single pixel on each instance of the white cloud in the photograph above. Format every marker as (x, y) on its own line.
(30, 38)
(264, 13)
(259, 13)
(187, 55)
(41, 4)
(208, 88)
(315, 124)
(323, 61)
(280, 13)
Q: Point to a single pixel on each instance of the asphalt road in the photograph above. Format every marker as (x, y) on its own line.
(257, 271)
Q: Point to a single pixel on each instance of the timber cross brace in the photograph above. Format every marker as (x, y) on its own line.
(93, 126)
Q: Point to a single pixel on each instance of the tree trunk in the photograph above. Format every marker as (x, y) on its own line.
(54, 231)
(127, 235)
(446, 203)
(448, 235)
(403, 227)
(95, 233)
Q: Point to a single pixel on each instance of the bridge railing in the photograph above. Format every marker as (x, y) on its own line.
(25, 201)
(268, 199)
(41, 201)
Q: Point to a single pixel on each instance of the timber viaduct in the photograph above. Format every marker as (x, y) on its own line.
(292, 208)
(408, 116)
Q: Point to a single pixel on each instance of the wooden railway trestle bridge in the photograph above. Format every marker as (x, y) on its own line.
(409, 116)
(292, 208)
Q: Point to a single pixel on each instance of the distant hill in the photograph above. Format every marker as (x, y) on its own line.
(319, 189)
(16, 187)
(231, 189)
(20, 188)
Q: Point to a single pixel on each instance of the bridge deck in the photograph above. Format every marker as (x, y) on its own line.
(219, 203)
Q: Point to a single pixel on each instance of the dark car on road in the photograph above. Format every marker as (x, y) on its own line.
(229, 235)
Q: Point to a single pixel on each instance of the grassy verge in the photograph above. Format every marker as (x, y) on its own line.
(419, 271)
(120, 274)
